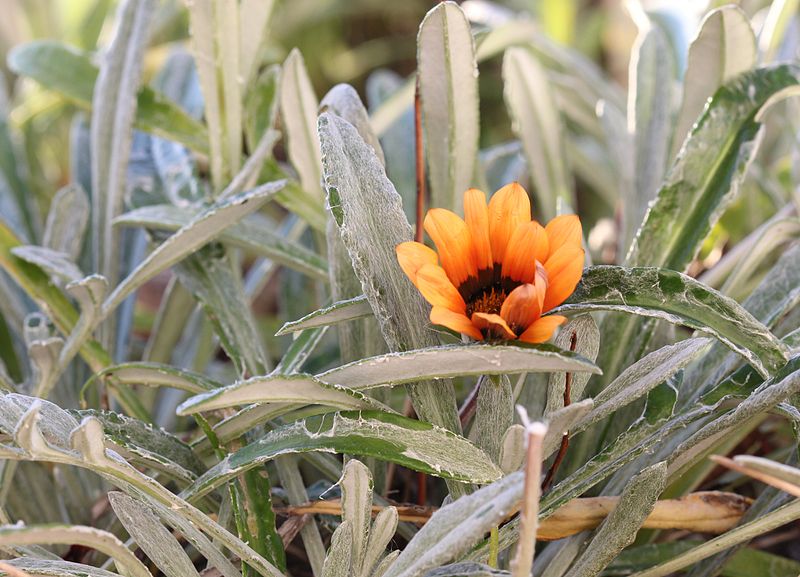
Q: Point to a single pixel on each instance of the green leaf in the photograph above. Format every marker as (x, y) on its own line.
(230, 77)
(66, 221)
(146, 529)
(776, 24)
(111, 136)
(70, 72)
(343, 101)
(650, 120)
(709, 169)
(278, 389)
(254, 20)
(203, 228)
(105, 542)
(740, 534)
(58, 265)
(36, 283)
(158, 375)
(642, 377)
(360, 339)
(620, 527)
(457, 526)
(252, 233)
(453, 361)
(369, 213)
(744, 563)
(87, 449)
(142, 443)
(298, 105)
(467, 570)
(771, 300)
(537, 123)
(725, 47)
(211, 277)
(340, 552)
(679, 299)
(448, 89)
(11, 169)
(581, 336)
(339, 312)
(57, 568)
(414, 444)
(202, 42)
(356, 485)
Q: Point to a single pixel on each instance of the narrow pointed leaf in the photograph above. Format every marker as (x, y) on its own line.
(203, 228)
(448, 86)
(725, 46)
(455, 360)
(298, 105)
(709, 169)
(154, 539)
(339, 312)
(537, 123)
(278, 389)
(678, 298)
(252, 233)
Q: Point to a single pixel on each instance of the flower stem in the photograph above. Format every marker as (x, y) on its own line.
(420, 157)
(529, 512)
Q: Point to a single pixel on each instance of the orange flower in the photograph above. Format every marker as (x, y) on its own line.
(497, 271)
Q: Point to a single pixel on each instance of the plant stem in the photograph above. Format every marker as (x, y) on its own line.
(529, 516)
(420, 157)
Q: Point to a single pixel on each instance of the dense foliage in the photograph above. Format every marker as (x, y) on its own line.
(211, 359)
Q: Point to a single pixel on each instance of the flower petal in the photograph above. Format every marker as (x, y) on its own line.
(452, 239)
(508, 208)
(521, 307)
(541, 283)
(564, 270)
(455, 321)
(564, 229)
(542, 329)
(412, 256)
(476, 214)
(437, 289)
(528, 244)
(494, 324)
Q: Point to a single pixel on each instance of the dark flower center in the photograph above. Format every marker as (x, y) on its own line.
(489, 301)
(487, 292)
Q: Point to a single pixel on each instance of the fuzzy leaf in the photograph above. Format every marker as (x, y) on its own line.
(200, 230)
(252, 233)
(58, 265)
(413, 444)
(278, 389)
(709, 169)
(725, 47)
(339, 312)
(369, 213)
(66, 221)
(620, 527)
(650, 120)
(537, 123)
(448, 88)
(457, 526)
(678, 298)
(148, 532)
(299, 110)
(455, 360)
